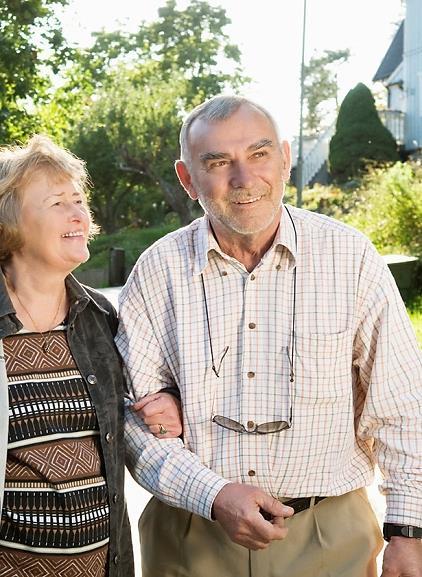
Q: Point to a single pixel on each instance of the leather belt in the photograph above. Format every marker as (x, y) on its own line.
(302, 503)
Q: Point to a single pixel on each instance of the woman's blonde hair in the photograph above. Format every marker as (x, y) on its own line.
(18, 164)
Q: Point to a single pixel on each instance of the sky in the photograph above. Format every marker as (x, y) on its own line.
(269, 35)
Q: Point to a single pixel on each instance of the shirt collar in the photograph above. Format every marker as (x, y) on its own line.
(286, 236)
(206, 243)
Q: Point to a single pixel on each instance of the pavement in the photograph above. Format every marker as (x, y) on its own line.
(137, 497)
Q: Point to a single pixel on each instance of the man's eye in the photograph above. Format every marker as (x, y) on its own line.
(260, 154)
(218, 163)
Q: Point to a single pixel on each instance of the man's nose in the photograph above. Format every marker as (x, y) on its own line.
(241, 176)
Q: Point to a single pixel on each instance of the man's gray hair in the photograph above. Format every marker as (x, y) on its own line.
(214, 110)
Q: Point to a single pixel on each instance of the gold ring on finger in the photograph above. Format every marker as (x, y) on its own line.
(162, 430)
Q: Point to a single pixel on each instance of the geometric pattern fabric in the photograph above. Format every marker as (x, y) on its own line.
(23, 564)
(56, 496)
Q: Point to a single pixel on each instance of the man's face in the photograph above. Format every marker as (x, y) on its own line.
(238, 171)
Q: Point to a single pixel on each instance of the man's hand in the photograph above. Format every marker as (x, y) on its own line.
(161, 409)
(402, 558)
(237, 509)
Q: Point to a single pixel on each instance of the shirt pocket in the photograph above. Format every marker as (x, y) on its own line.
(323, 366)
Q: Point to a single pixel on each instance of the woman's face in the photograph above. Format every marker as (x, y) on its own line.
(54, 224)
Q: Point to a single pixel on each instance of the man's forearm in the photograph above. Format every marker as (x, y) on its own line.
(168, 470)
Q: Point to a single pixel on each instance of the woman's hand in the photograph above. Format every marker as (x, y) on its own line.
(162, 413)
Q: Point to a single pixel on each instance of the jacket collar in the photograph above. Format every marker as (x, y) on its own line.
(79, 298)
(9, 323)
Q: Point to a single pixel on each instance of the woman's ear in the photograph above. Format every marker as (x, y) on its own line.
(185, 178)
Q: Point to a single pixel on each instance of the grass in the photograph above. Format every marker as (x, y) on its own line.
(414, 308)
(132, 240)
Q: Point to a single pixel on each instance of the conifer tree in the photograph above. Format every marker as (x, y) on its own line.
(360, 136)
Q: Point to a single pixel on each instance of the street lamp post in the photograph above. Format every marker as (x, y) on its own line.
(299, 166)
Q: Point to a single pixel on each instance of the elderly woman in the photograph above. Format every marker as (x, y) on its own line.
(63, 511)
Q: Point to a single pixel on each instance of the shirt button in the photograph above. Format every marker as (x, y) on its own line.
(251, 473)
(92, 379)
(250, 425)
(252, 325)
(252, 277)
(278, 267)
(224, 273)
(109, 437)
(115, 498)
(251, 374)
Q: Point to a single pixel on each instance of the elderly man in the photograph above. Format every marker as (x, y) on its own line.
(286, 338)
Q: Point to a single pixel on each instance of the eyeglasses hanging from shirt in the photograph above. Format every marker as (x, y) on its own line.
(252, 427)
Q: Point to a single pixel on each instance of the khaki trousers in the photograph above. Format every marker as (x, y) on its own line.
(339, 537)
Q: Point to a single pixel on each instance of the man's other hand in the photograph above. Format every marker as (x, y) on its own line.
(237, 509)
(402, 558)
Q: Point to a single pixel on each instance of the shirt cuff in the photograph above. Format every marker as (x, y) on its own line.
(202, 491)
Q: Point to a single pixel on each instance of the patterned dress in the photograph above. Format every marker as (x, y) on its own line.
(55, 518)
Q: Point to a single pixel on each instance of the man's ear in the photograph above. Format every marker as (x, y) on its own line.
(185, 179)
(287, 160)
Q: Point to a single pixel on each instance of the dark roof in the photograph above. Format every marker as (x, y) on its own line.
(393, 56)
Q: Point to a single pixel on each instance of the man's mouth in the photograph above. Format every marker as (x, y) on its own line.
(248, 200)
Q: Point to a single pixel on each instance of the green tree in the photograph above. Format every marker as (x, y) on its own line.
(360, 136)
(320, 86)
(31, 46)
(136, 90)
(127, 137)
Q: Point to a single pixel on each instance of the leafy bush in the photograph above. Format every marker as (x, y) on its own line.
(388, 208)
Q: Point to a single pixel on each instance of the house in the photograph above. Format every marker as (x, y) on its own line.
(400, 71)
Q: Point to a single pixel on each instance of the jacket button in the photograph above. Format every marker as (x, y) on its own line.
(92, 379)
(116, 559)
(109, 437)
(115, 498)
